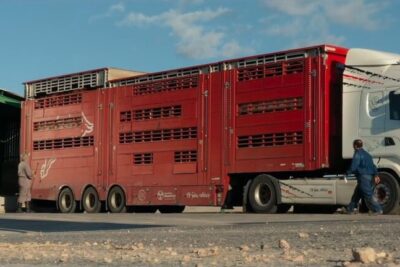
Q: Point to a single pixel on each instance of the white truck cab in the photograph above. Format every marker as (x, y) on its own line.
(371, 105)
(371, 112)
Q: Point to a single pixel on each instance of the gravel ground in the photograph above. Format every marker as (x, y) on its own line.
(297, 243)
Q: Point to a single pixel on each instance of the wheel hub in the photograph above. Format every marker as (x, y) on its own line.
(90, 201)
(116, 200)
(262, 194)
(66, 201)
(382, 193)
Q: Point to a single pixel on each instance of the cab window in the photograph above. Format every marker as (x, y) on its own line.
(394, 105)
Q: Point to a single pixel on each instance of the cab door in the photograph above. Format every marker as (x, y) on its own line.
(391, 137)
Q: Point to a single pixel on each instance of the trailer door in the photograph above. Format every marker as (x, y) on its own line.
(273, 114)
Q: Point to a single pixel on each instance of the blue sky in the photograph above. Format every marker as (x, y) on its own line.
(44, 38)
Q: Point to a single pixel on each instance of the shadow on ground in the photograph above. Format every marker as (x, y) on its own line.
(47, 226)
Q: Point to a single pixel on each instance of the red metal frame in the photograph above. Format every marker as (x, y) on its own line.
(177, 140)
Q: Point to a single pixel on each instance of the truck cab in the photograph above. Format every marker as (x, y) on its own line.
(371, 112)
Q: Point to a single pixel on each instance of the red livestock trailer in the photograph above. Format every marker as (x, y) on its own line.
(221, 133)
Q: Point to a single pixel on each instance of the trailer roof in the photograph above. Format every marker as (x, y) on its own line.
(90, 79)
(191, 70)
(325, 47)
(80, 73)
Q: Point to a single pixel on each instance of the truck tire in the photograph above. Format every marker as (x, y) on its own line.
(262, 194)
(116, 200)
(90, 201)
(387, 193)
(171, 209)
(66, 201)
(245, 198)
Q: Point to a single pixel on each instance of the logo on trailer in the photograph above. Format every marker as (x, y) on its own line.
(89, 125)
(194, 195)
(142, 195)
(165, 195)
(45, 168)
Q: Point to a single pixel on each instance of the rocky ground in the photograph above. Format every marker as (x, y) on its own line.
(298, 243)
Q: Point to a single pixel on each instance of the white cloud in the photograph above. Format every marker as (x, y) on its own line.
(356, 13)
(138, 19)
(117, 8)
(233, 49)
(318, 33)
(173, 17)
(289, 29)
(195, 2)
(293, 7)
(362, 14)
(303, 32)
(113, 9)
(196, 44)
(194, 39)
(308, 22)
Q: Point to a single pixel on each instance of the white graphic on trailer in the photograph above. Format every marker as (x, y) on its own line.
(45, 168)
(89, 125)
(195, 195)
(161, 195)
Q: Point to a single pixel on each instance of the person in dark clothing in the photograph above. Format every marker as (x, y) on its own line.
(367, 175)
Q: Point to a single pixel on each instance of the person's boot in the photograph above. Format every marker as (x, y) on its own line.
(28, 206)
(19, 208)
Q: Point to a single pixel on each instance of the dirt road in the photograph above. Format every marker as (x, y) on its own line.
(196, 239)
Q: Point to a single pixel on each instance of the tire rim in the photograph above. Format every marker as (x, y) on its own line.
(116, 200)
(66, 201)
(262, 194)
(90, 200)
(382, 193)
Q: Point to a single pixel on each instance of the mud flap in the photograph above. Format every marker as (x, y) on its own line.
(246, 205)
(277, 190)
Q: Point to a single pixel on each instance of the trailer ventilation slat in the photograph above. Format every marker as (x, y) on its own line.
(61, 100)
(270, 140)
(265, 59)
(167, 85)
(158, 76)
(277, 105)
(185, 156)
(67, 83)
(151, 113)
(70, 142)
(125, 116)
(65, 123)
(255, 71)
(143, 158)
(158, 135)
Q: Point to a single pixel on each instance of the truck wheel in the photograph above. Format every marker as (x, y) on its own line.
(171, 209)
(116, 200)
(262, 194)
(66, 201)
(387, 193)
(90, 201)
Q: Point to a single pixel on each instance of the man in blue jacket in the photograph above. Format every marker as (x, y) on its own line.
(365, 170)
